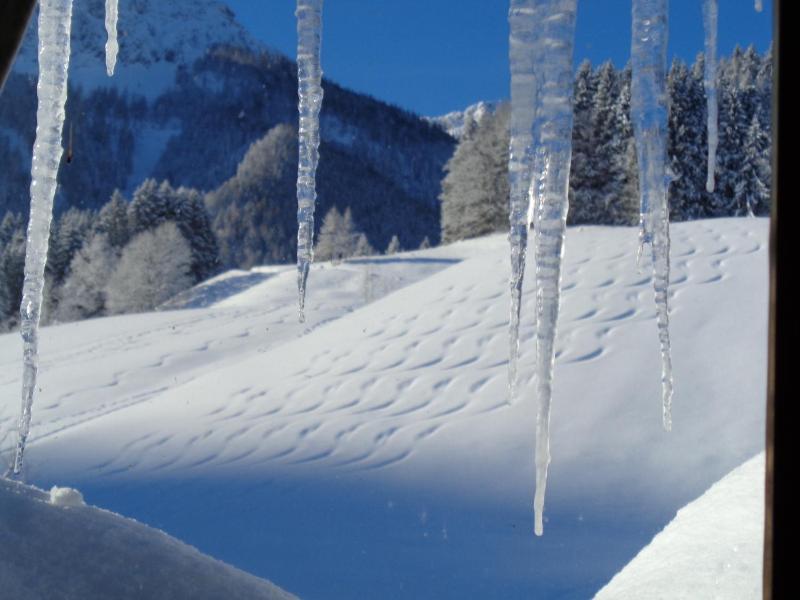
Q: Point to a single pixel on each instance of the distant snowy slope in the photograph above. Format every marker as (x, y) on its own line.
(84, 553)
(712, 549)
(156, 39)
(377, 438)
(455, 122)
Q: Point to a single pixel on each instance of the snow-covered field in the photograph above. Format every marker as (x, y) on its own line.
(370, 452)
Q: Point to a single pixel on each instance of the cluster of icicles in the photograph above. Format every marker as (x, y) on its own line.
(541, 45)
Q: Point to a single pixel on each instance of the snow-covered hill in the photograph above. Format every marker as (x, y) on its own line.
(371, 451)
(712, 549)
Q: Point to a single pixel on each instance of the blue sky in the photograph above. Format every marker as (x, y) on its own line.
(434, 56)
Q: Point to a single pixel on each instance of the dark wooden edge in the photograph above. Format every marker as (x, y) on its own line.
(14, 17)
(782, 398)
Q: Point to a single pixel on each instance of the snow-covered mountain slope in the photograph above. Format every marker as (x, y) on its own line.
(712, 549)
(52, 549)
(371, 453)
(191, 93)
(455, 122)
(156, 38)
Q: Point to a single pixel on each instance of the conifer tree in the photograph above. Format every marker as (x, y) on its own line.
(474, 194)
(687, 146)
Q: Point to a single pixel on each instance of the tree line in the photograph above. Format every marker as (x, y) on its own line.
(603, 177)
(130, 256)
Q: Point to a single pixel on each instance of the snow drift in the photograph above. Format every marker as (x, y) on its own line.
(712, 549)
(67, 551)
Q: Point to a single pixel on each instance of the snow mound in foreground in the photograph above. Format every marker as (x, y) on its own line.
(86, 553)
(712, 549)
(66, 497)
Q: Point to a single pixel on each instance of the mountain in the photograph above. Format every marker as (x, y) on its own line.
(455, 122)
(156, 38)
(192, 92)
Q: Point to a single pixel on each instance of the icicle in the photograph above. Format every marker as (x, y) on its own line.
(55, 18)
(759, 5)
(710, 16)
(309, 80)
(550, 186)
(541, 45)
(524, 89)
(649, 116)
(112, 46)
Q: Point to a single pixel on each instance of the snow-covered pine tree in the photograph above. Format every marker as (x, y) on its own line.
(155, 204)
(394, 246)
(83, 294)
(363, 247)
(12, 265)
(737, 106)
(687, 141)
(154, 266)
(337, 238)
(753, 189)
(612, 133)
(195, 225)
(624, 209)
(68, 233)
(112, 221)
(583, 205)
(252, 212)
(475, 192)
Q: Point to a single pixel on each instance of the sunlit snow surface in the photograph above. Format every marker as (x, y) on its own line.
(712, 549)
(370, 452)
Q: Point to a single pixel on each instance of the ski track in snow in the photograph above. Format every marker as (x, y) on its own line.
(368, 401)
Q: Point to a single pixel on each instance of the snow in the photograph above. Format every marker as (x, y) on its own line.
(309, 89)
(156, 39)
(55, 21)
(64, 549)
(649, 116)
(370, 453)
(712, 549)
(66, 497)
(456, 122)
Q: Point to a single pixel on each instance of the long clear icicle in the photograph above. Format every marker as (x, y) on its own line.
(55, 18)
(710, 18)
(112, 45)
(649, 116)
(550, 187)
(524, 92)
(309, 87)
